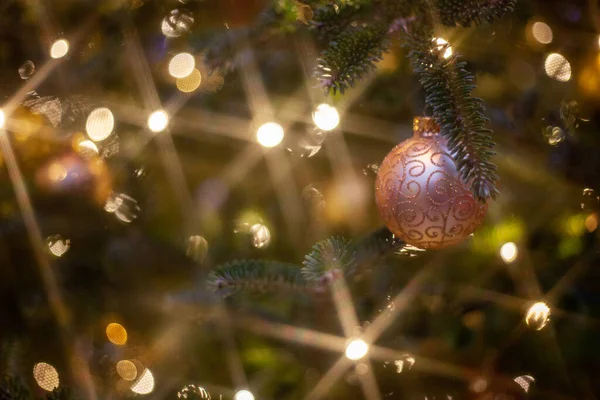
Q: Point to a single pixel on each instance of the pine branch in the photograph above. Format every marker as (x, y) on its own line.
(328, 259)
(351, 56)
(467, 12)
(377, 244)
(256, 275)
(13, 389)
(332, 19)
(448, 87)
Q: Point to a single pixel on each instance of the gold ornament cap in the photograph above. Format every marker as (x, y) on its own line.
(424, 127)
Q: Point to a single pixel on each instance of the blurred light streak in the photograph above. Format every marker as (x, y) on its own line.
(141, 70)
(321, 389)
(236, 367)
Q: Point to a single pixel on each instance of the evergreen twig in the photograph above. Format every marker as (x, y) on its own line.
(467, 12)
(448, 87)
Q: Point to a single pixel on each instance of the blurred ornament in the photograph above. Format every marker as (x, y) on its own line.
(402, 364)
(538, 316)
(420, 195)
(557, 67)
(57, 245)
(554, 135)
(326, 117)
(193, 392)
(177, 23)
(197, 248)
(59, 48)
(45, 376)
(308, 144)
(26, 69)
(261, 236)
(589, 200)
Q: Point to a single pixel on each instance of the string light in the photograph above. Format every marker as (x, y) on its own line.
(542, 32)
(538, 316)
(509, 252)
(116, 333)
(100, 124)
(59, 48)
(356, 349)
(443, 44)
(243, 395)
(46, 376)
(557, 67)
(158, 121)
(182, 65)
(145, 384)
(326, 117)
(269, 134)
(261, 236)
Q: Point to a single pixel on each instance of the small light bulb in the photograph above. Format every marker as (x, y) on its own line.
(100, 124)
(158, 121)
(509, 252)
(269, 134)
(443, 44)
(326, 117)
(182, 65)
(558, 67)
(59, 48)
(357, 349)
(2, 118)
(244, 395)
(538, 316)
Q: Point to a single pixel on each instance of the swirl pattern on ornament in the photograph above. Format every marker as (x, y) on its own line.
(421, 197)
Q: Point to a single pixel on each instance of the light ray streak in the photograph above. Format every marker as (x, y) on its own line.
(329, 379)
(368, 383)
(344, 307)
(236, 367)
(145, 83)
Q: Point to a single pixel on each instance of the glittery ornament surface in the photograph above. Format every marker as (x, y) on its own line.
(420, 195)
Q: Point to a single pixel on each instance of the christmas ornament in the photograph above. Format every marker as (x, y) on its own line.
(420, 195)
(193, 392)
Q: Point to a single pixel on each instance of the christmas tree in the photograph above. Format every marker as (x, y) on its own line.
(197, 201)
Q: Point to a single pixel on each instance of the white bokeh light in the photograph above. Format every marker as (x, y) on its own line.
(182, 65)
(269, 134)
(2, 118)
(542, 32)
(357, 349)
(509, 252)
(326, 117)
(158, 121)
(557, 67)
(59, 48)
(100, 124)
(537, 316)
(145, 384)
(244, 395)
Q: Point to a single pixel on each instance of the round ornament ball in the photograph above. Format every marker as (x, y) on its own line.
(420, 194)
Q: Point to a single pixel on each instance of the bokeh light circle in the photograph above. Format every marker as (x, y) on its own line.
(100, 124)
(126, 370)
(326, 117)
(270, 134)
(158, 121)
(145, 384)
(542, 32)
(116, 333)
(182, 65)
(557, 67)
(59, 48)
(190, 82)
(46, 376)
(356, 349)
